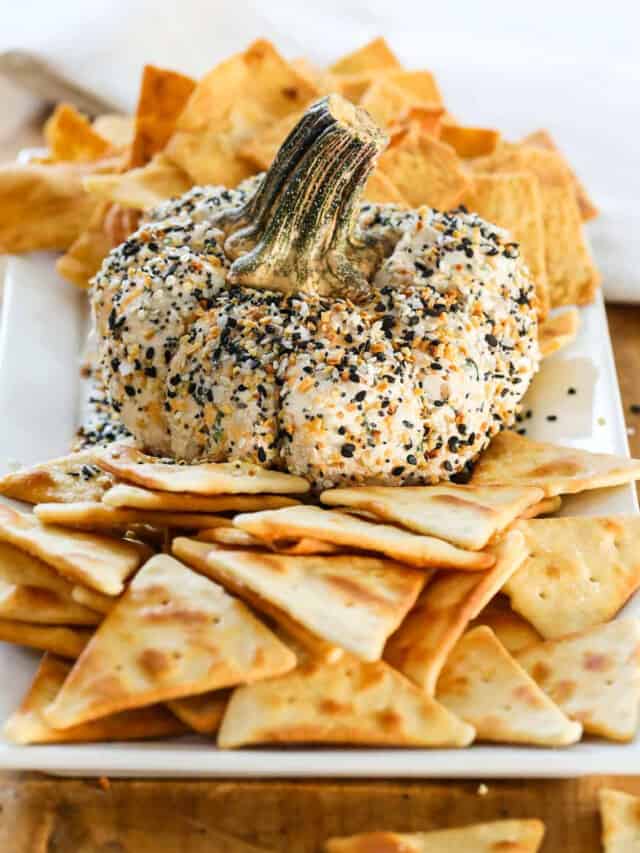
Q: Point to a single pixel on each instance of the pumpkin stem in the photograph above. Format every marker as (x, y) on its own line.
(296, 232)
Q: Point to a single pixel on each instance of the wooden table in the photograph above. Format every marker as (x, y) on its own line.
(42, 815)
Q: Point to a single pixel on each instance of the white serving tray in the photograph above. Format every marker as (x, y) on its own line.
(41, 338)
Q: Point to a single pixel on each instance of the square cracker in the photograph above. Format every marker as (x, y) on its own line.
(124, 495)
(28, 725)
(594, 676)
(423, 642)
(343, 529)
(208, 478)
(64, 641)
(349, 701)
(513, 459)
(89, 515)
(580, 571)
(69, 478)
(481, 683)
(463, 515)
(620, 813)
(173, 633)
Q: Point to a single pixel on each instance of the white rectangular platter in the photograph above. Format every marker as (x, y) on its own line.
(41, 338)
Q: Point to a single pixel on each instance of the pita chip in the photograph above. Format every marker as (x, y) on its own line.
(173, 633)
(211, 478)
(261, 148)
(422, 644)
(348, 600)
(420, 85)
(233, 537)
(35, 604)
(470, 141)
(124, 495)
(463, 515)
(620, 814)
(70, 136)
(579, 573)
(513, 459)
(558, 331)
(99, 562)
(484, 685)
(143, 188)
(66, 642)
(386, 103)
(202, 713)
(547, 506)
(380, 189)
(116, 128)
(69, 478)
(89, 515)
(376, 55)
(348, 701)
(92, 599)
(22, 569)
(28, 724)
(593, 676)
(516, 836)
(341, 528)
(514, 632)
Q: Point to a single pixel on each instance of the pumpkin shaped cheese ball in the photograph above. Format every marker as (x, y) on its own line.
(287, 323)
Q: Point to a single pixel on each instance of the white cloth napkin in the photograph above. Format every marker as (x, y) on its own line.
(570, 66)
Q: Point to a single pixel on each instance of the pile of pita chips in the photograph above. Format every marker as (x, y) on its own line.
(620, 813)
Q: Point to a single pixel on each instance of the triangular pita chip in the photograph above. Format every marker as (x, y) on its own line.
(349, 701)
(376, 55)
(547, 506)
(18, 567)
(70, 478)
(380, 189)
(580, 572)
(261, 149)
(140, 189)
(90, 515)
(512, 459)
(28, 725)
(348, 600)
(67, 642)
(342, 528)
(421, 645)
(558, 331)
(115, 128)
(510, 836)
(92, 599)
(620, 813)
(593, 676)
(514, 632)
(464, 515)
(234, 537)
(202, 713)
(35, 604)
(470, 141)
(209, 478)
(69, 136)
(387, 103)
(173, 633)
(420, 84)
(123, 495)
(99, 562)
(484, 685)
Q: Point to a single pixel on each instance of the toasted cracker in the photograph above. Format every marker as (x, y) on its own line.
(484, 685)
(201, 713)
(470, 141)
(117, 129)
(35, 604)
(594, 676)
(350, 601)
(580, 571)
(28, 724)
(620, 813)
(70, 136)
(89, 515)
(421, 645)
(223, 478)
(558, 331)
(547, 506)
(425, 171)
(233, 537)
(92, 599)
(67, 642)
(463, 515)
(385, 102)
(513, 631)
(68, 478)
(124, 495)
(173, 633)
(349, 701)
(380, 189)
(514, 459)
(99, 562)
(141, 189)
(261, 148)
(345, 529)
(376, 55)
(19, 567)
(514, 201)
(421, 85)
(518, 836)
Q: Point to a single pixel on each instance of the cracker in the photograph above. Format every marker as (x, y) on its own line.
(420, 85)
(35, 604)
(484, 685)
(385, 102)
(350, 601)
(344, 529)
(463, 515)
(213, 478)
(99, 562)
(421, 645)
(233, 537)
(261, 148)
(580, 571)
(89, 515)
(201, 713)
(19, 567)
(376, 55)
(558, 331)
(547, 506)
(593, 676)
(92, 599)
(173, 633)
(70, 136)
(28, 724)
(470, 141)
(66, 642)
(349, 701)
(68, 478)
(117, 129)
(514, 632)
(380, 189)
(124, 495)
(143, 188)
(620, 813)
(513, 459)
(518, 836)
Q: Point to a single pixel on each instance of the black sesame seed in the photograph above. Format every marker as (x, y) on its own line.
(635, 408)
(359, 397)
(262, 456)
(552, 417)
(130, 391)
(347, 450)
(572, 391)
(397, 471)
(411, 459)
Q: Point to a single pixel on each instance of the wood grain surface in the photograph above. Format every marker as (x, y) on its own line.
(45, 815)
